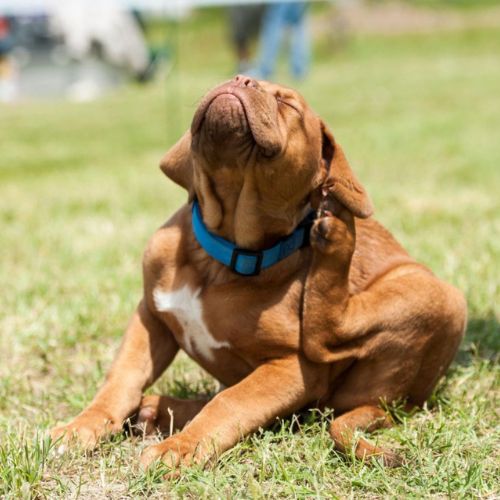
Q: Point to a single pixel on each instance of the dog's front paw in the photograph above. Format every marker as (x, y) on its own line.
(333, 231)
(174, 452)
(85, 431)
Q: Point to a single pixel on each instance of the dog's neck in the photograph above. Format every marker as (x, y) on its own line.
(242, 207)
(248, 221)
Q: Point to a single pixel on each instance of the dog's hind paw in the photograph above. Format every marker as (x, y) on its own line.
(147, 418)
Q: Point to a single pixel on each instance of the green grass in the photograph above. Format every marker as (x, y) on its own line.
(80, 193)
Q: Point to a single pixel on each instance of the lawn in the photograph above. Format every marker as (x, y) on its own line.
(80, 194)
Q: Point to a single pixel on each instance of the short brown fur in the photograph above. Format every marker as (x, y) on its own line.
(348, 323)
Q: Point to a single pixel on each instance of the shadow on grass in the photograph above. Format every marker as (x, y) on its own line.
(482, 339)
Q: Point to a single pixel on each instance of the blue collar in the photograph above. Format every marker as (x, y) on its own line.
(248, 262)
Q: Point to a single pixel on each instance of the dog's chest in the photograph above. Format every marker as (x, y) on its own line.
(186, 306)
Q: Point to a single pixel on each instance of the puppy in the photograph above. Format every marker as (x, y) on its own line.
(231, 279)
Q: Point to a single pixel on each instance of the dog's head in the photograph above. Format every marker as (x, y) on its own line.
(256, 158)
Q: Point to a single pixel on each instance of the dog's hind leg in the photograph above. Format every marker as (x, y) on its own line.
(167, 414)
(364, 418)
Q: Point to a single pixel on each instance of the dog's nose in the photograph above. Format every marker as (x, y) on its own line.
(245, 81)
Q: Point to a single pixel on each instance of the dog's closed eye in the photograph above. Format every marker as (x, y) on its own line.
(285, 102)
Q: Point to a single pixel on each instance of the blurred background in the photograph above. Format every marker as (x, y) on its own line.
(91, 96)
(81, 51)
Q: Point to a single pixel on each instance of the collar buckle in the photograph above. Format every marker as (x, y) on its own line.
(239, 252)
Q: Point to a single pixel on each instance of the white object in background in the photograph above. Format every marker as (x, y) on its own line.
(81, 24)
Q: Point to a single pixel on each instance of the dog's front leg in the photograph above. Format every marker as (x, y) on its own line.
(147, 349)
(274, 389)
(326, 295)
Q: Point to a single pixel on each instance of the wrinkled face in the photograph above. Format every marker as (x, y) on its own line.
(244, 115)
(244, 125)
(255, 157)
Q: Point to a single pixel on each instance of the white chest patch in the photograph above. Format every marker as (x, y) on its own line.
(187, 308)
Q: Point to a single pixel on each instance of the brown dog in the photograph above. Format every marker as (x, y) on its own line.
(346, 325)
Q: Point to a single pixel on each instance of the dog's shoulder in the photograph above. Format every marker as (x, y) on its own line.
(163, 247)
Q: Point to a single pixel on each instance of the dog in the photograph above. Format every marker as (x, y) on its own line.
(275, 278)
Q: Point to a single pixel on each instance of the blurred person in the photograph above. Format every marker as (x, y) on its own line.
(245, 22)
(8, 80)
(279, 18)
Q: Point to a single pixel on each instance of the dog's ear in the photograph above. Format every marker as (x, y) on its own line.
(177, 164)
(340, 180)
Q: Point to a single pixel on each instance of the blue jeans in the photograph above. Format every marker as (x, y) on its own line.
(277, 18)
